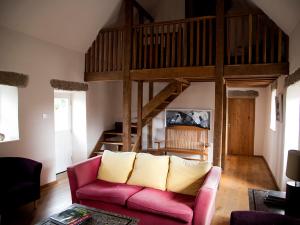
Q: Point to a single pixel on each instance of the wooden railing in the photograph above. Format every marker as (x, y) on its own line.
(106, 52)
(254, 39)
(249, 39)
(189, 42)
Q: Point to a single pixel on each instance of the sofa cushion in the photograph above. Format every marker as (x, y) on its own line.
(186, 176)
(174, 205)
(150, 171)
(116, 166)
(108, 192)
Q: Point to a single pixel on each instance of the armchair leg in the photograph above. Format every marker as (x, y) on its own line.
(35, 204)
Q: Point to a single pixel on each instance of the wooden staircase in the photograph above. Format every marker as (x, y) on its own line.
(112, 139)
(163, 99)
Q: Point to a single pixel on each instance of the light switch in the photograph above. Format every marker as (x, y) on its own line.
(45, 116)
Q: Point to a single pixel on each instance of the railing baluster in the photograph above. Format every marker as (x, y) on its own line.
(198, 43)
(92, 55)
(105, 48)
(228, 42)
(265, 45)
(179, 44)
(204, 43)
(173, 56)
(140, 47)
(115, 50)
(97, 54)
(191, 42)
(86, 69)
(110, 41)
(272, 44)
(168, 47)
(119, 59)
(250, 39)
(257, 39)
(134, 48)
(162, 41)
(210, 41)
(100, 49)
(279, 46)
(156, 45)
(185, 44)
(151, 47)
(145, 46)
(242, 48)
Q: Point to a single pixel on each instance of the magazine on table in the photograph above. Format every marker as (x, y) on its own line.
(71, 216)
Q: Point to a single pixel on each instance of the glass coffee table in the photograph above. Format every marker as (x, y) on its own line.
(99, 217)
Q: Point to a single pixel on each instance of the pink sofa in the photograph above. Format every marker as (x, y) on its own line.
(150, 206)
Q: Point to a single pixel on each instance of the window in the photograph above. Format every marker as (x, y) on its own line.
(273, 111)
(9, 121)
(62, 111)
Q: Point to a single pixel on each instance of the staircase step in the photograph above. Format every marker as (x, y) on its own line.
(113, 143)
(117, 133)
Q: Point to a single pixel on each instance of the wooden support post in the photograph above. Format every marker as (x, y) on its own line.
(224, 133)
(149, 139)
(126, 77)
(218, 125)
(139, 115)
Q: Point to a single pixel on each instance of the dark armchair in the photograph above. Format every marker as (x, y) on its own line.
(20, 181)
(261, 218)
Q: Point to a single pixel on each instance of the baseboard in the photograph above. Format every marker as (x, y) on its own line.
(49, 185)
(272, 175)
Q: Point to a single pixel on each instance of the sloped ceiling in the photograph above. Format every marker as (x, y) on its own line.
(72, 24)
(285, 13)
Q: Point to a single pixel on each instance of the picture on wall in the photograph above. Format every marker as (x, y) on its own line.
(188, 117)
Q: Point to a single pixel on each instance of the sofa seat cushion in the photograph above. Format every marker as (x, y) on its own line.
(108, 192)
(165, 203)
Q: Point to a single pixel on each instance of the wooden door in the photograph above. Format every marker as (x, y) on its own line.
(241, 118)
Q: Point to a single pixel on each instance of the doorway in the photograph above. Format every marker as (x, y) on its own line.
(241, 121)
(63, 130)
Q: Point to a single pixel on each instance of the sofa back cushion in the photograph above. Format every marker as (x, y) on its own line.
(186, 176)
(116, 166)
(150, 171)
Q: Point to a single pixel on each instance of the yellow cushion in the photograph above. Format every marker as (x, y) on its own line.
(186, 176)
(150, 171)
(116, 166)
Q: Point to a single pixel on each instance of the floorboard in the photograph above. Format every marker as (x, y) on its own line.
(240, 173)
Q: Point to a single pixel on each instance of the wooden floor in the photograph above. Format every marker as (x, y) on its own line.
(240, 174)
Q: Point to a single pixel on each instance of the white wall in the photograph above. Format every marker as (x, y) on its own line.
(273, 140)
(103, 98)
(43, 61)
(260, 113)
(79, 132)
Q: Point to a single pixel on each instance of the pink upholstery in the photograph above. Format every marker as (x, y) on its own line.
(107, 192)
(174, 205)
(81, 174)
(162, 208)
(204, 208)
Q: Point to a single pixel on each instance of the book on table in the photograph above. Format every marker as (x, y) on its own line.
(71, 216)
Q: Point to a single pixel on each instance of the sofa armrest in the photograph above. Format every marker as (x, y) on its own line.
(81, 174)
(205, 201)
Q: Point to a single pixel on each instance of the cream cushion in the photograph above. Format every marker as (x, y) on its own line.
(150, 171)
(186, 176)
(116, 166)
